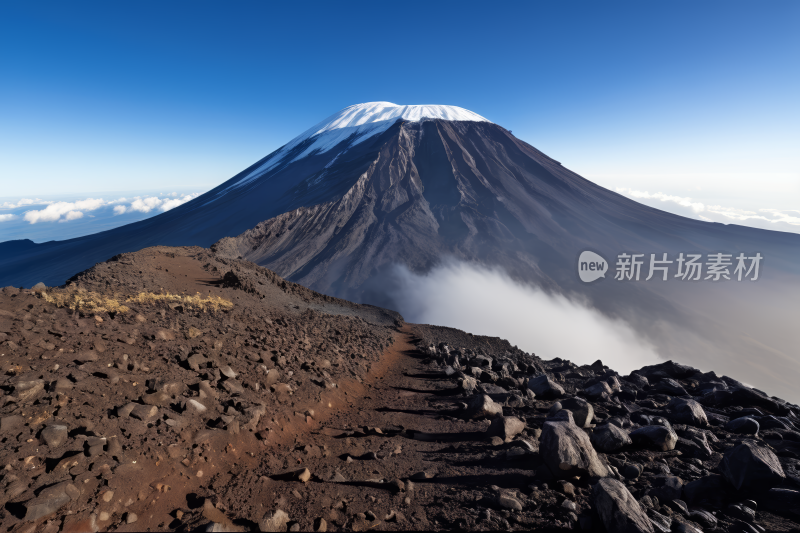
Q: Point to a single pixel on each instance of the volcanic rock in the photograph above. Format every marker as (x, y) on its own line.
(688, 412)
(275, 522)
(544, 386)
(582, 411)
(507, 502)
(743, 425)
(600, 390)
(567, 451)
(505, 427)
(482, 406)
(610, 438)
(54, 435)
(50, 500)
(618, 509)
(659, 437)
(751, 467)
(671, 387)
(562, 415)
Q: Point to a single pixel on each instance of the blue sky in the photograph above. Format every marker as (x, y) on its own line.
(696, 101)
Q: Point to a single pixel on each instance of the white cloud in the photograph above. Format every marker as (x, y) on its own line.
(488, 302)
(697, 207)
(24, 202)
(4, 218)
(145, 205)
(68, 210)
(772, 219)
(175, 202)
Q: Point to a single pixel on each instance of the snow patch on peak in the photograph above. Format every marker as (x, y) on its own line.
(375, 112)
(354, 124)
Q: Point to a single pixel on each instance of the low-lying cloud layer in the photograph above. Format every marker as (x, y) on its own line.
(771, 219)
(22, 202)
(67, 211)
(63, 211)
(145, 205)
(487, 302)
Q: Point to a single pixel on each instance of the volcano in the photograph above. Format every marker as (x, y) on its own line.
(379, 185)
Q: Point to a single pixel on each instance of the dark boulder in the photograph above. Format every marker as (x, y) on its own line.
(751, 467)
(582, 411)
(566, 450)
(610, 438)
(661, 438)
(482, 406)
(668, 368)
(704, 518)
(545, 387)
(717, 398)
(747, 397)
(694, 448)
(771, 422)
(743, 425)
(618, 509)
(688, 412)
(505, 427)
(638, 380)
(231, 280)
(671, 387)
(741, 512)
(599, 391)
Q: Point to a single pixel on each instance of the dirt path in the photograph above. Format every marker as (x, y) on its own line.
(362, 456)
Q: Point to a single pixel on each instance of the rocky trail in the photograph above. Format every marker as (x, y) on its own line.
(174, 390)
(395, 457)
(430, 448)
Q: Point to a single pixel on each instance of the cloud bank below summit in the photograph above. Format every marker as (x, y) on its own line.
(486, 301)
(733, 330)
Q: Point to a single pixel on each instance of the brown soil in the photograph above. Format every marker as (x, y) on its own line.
(292, 350)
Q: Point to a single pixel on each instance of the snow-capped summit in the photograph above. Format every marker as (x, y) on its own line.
(356, 123)
(360, 115)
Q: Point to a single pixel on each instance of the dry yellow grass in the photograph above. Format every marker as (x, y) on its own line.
(212, 303)
(86, 301)
(93, 302)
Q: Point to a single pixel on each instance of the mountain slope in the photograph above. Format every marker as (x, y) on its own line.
(317, 166)
(471, 191)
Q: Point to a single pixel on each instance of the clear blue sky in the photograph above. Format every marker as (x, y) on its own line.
(697, 99)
